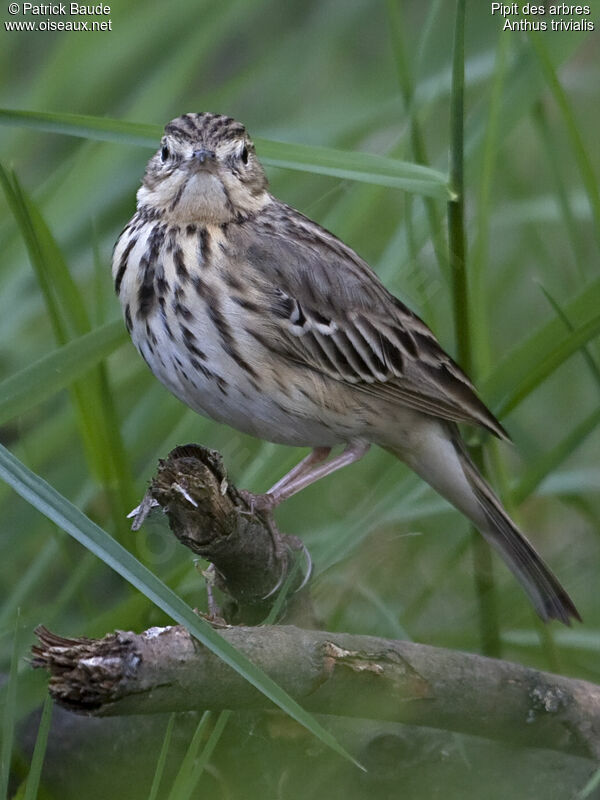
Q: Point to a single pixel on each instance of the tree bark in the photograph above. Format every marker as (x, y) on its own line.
(165, 669)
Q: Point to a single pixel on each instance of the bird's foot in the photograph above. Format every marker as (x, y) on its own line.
(258, 502)
(279, 548)
(264, 504)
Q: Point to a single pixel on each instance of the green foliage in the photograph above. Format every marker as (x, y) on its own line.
(37, 760)
(9, 715)
(162, 758)
(366, 167)
(41, 380)
(343, 99)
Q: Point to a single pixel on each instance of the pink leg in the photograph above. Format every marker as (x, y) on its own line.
(318, 454)
(299, 479)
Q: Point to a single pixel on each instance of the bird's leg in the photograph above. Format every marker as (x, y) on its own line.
(299, 479)
(263, 502)
(317, 455)
(303, 474)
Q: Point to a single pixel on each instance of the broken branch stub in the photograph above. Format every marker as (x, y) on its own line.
(215, 520)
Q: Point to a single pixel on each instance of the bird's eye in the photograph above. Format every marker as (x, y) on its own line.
(244, 155)
(164, 153)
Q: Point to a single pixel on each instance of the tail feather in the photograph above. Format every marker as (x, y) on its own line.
(438, 454)
(545, 591)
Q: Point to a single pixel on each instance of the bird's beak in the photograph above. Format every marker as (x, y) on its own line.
(202, 159)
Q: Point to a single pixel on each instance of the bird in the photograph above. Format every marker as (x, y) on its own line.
(257, 317)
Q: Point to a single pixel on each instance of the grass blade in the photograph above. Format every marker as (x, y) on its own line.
(555, 457)
(307, 158)
(16, 203)
(479, 253)
(64, 514)
(162, 759)
(456, 207)
(9, 716)
(354, 166)
(585, 351)
(518, 364)
(419, 150)
(591, 786)
(577, 145)
(41, 380)
(463, 331)
(182, 780)
(207, 752)
(31, 578)
(37, 761)
(547, 364)
(551, 460)
(547, 134)
(86, 127)
(282, 595)
(98, 427)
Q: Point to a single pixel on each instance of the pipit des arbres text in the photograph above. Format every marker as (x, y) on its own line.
(255, 316)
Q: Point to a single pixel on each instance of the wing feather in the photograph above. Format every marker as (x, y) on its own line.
(330, 313)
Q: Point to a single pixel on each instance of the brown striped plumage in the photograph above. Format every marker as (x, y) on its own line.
(254, 315)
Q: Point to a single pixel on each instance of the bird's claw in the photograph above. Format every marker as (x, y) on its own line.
(309, 567)
(257, 502)
(284, 572)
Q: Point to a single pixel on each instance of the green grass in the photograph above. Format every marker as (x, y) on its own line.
(9, 713)
(160, 763)
(367, 167)
(37, 760)
(361, 125)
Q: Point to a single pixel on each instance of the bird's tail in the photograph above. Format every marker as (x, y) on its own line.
(545, 591)
(448, 467)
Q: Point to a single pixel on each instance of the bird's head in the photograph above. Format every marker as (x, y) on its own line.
(205, 171)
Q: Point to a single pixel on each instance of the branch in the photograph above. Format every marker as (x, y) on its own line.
(165, 669)
(220, 523)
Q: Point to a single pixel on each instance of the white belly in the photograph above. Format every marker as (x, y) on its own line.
(204, 358)
(227, 395)
(192, 336)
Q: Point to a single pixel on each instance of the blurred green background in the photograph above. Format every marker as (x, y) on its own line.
(391, 558)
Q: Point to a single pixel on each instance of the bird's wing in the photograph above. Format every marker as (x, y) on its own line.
(329, 312)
